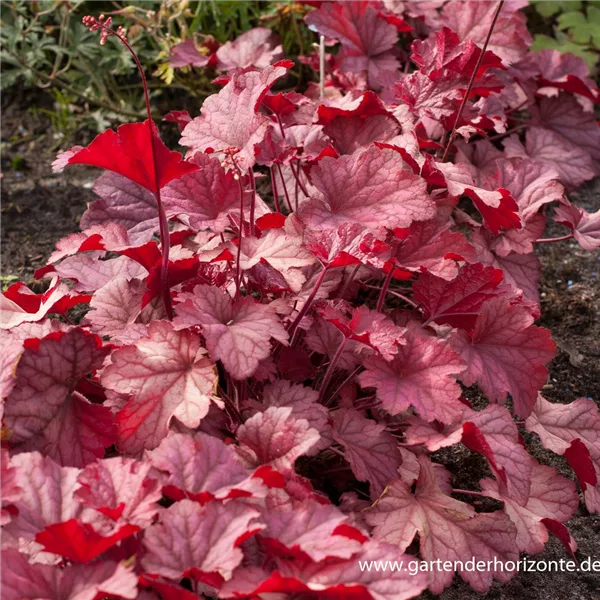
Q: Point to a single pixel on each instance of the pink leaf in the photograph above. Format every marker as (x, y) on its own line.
(369, 187)
(256, 48)
(573, 163)
(121, 489)
(47, 494)
(167, 375)
(421, 375)
(367, 40)
(186, 54)
(10, 490)
(332, 580)
(90, 274)
(77, 434)
(207, 196)
(237, 334)
(314, 530)
(551, 497)
(431, 245)
(283, 252)
(46, 375)
(131, 153)
(275, 437)
(125, 202)
(22, 580)
(230, 121)
(557, 425)
(199, 541)
(459, 301)
(448, 530)
(372, 452)
(506, 353)
(585, 226)
(472, 20)
(304, 404)
(202, 468)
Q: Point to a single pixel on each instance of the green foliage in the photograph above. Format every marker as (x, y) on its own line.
(583, 29)
(575, 28)
(548, 8)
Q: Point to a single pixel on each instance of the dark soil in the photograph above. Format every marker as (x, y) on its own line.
(38, 208)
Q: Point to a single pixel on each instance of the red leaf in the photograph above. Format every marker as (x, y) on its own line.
(79, 542)
(578, 456)
(131, 153)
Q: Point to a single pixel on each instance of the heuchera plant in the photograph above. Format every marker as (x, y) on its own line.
(254, 401)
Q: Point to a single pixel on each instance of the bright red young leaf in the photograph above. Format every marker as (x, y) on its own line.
(422, 374)
(230, 121)
(496, 204)
(22, 580)
(369, 187)
(238, 334)
(275, 437)
(18, 304)
(372, 452)
(79, 542)
(197, 541)
(448, 529)
(166, 374)
(46, 375)
(132, 153)
(505, 353)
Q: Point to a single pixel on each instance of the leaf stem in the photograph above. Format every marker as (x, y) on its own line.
(285, 191)
(307, 304)
(331, 369)
(165, 242)
(274, 188)
(469, 492)
(553, 240)
(384, 289)
(472, 81)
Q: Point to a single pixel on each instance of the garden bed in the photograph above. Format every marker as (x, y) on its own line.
(40, 207)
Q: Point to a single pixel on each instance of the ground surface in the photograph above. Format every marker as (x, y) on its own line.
(38, 208)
